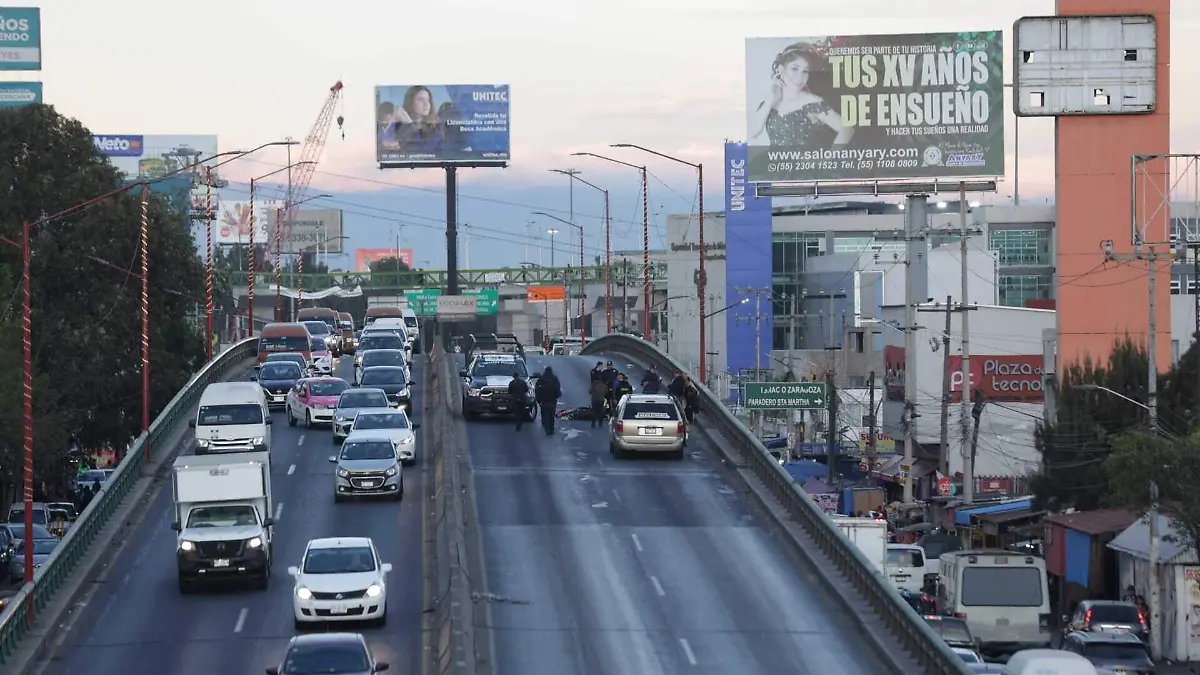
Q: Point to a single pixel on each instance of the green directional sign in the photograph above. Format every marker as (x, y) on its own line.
(423, 301)
(786, 395)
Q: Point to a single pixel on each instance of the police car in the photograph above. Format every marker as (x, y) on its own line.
(485, 386)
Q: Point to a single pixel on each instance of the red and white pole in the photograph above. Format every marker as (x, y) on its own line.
(646, 257)
(250, 265)
(146, 319)
(208, 262)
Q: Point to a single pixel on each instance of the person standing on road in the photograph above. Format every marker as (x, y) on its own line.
(599, 394)
(547, 391)
(651, 382)
(517, 391)
(598, 371)
(620, 388)
(676, 388)
(691, 399)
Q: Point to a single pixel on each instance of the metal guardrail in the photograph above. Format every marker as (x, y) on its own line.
(914, 635)
(49, 578)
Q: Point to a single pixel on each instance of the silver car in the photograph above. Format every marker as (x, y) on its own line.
(368, 466)
(647, 423)
(42, 548)
(351, 403)
(396, 425)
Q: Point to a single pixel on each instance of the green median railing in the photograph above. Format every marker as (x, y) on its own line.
(50, 577)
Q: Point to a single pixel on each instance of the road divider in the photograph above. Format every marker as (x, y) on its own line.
(25, 612)
(852, 581)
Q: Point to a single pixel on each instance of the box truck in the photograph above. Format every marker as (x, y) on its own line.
(869, 535)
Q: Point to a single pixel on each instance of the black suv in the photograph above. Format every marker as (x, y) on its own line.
(1119, 652)
(485, 386)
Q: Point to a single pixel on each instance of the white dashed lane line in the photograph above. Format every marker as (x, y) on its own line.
(278, 511)
(657, 586)
(637, 543)
(241, 620)
(687, 651)
(291, 469)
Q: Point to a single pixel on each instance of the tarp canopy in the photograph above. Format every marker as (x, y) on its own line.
(331, 292)
(962, 516)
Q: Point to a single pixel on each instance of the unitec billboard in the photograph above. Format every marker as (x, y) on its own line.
(441, 124)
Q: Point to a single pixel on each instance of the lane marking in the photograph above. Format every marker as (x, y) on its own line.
(637, 543)
(617, 496)
(278, 510)
(687, 651)
(657, 587)
(241, 620)
(291, 469)
(301, 441)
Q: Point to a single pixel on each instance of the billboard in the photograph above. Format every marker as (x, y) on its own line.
(137, 156)
(871, 107)
(434, 124)
(545, 293)
(20, 38)
(1002, 378)
(310, 229)
(363, 257)
(747, 245)
(317, 228)
(14, 94)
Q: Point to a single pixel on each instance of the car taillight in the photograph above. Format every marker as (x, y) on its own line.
(679, 429)
(1087, 620)
(620, 427)
(960, 615)
(1142, 619)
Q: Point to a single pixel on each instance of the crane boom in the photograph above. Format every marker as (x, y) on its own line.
(310, 153)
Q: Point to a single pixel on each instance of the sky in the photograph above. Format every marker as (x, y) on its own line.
(665, 74)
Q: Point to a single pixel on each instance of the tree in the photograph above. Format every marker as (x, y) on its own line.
(1140, 459)
(391, 273)
(86, 315)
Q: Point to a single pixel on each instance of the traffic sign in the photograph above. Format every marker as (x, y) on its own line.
(785, 395)
(944, 486)
(424, 301)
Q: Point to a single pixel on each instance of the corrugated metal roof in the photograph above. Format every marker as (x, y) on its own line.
(1100, 521)
(1135, 541)
(962, 516)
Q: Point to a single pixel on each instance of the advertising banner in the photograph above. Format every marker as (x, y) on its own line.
(317, 228)
(233, 223)
(20, 38)
(870, 107)
(1002, 378)
(363, 257)
(435, 124)
(747, 245)
(14, 94)
(137, 156)
(311, 230)
(545, 293)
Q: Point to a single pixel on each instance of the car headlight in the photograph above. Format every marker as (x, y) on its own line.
(341, 419)
(187, 546)
(374, 591)
(343, 473)
(255, 542)
(319, 406)
(303, 593)
(392, 471)
(257, 440)
(472, 391)
(202, 442)
(407, 440)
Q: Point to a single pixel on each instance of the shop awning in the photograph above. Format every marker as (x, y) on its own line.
(963, 516)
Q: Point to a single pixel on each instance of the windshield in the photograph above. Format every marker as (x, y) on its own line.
(318, 345)
(222, 516)
(968, 656)
(279, 371)
(17, 515)
(650, 411)
(239, 413)
(363, 399)
(40, 546)
(39, 532)
(344, 560)
(383, 357)
(365, 450)
(346, 325)
(378, 375)
(905, 557)
(327, 387)
(396, 420)
(410, 321)
(59, 514)
(93, 475)
(1115, 614)
(377, 341)
(326, 659)
(499, 367)
(1129, 653)
(283, 343)
(951, 630)
(1002, 587)
(317, 328)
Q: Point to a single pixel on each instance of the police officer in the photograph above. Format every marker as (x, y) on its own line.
(547, 391)
(517, 391)
(651, 382)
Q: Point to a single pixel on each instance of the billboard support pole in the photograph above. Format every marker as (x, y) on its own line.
(914, 222)
(451, 241)
(250, 266)
(278, 265)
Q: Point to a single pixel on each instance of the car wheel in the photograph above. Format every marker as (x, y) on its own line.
(291, 417)
(382, 620)
(264, 580)
(617, 451)
(307, 419)
(400, 492)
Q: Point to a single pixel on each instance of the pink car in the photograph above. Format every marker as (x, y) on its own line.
(313, 400)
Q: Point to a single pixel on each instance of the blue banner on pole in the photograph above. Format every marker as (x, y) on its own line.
(747, 266)
(13, 94)
(20, 38)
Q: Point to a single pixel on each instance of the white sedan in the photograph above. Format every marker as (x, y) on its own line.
(340, 579)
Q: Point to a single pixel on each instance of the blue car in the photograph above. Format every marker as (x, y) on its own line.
(277, 378)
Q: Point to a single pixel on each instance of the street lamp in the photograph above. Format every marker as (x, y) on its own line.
(702, 280)
(645, 233)
(552, 231)
(582, 287)
(250, 267)
(607, 247)
(208, 218)
(279, 251)
(300, 266)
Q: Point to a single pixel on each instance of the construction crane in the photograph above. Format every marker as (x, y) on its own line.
(310, 154)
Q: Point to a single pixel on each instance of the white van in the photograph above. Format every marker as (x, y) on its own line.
(1003, 596)
(232, 417)
(1048, 662)
(414, 329)
(905, 566)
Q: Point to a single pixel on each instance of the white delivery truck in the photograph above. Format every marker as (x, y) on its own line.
(869, 535)
(1004, 597)
(223, 517)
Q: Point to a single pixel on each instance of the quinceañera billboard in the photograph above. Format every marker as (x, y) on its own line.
(871, 107)
(441, 124)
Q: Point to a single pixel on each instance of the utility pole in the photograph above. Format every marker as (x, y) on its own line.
(968, 456)
(757, 318)
(833, 431)
(872, 432)
(949, 310)
(915, 216)
(712, 302)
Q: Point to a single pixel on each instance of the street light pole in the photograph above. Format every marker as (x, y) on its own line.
(279, 252)
(146, 319)
(607, 248)
(701, 275)
(251, 268)
(582, 288)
